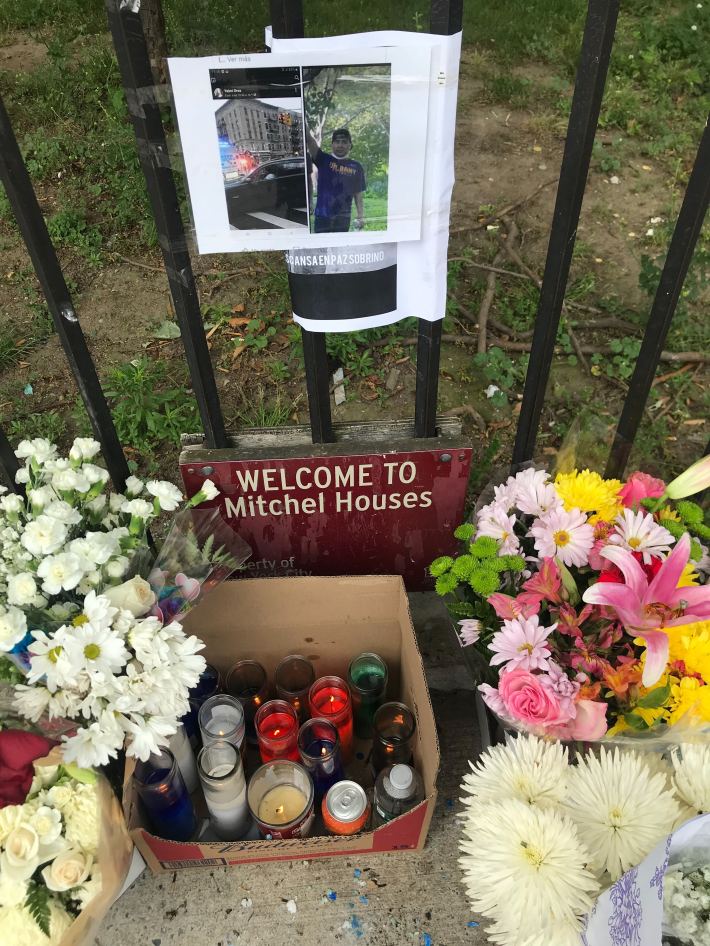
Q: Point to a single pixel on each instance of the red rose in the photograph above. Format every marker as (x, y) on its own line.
(18, 750)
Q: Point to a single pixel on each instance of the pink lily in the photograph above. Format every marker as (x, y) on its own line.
(645, 608)
(509, 608)
(543, 586)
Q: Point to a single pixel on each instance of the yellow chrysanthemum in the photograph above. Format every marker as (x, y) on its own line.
(688, 576)
(690, 696)
(691, 644)
(668, 512)
(590, 493)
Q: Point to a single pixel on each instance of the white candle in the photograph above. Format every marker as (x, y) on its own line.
(180, 747)
(225, 790)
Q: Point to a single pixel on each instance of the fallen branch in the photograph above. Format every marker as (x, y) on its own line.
(578, 349)
(486, 303)
(134, 262)
(490, 269)
(482, 224)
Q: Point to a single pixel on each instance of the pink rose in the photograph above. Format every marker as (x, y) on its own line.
(641, 486)
(588, 725)
(532, 699)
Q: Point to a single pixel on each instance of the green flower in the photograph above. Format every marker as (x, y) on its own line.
(512, 563)
(464, 566)
(675, 528)
(445, 584)
(465, 531)
(440, 565)
(484, 582)
(690, 511)
(484, 547)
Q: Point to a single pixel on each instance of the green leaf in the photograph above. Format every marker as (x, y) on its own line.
(460, 609)
(9, 673)
(37, 904)
(656, 698)
(635, 722)
(87, 776)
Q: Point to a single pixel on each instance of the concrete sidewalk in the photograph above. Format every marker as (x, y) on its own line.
(382, 900)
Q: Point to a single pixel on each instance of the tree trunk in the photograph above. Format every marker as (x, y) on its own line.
(154, 29)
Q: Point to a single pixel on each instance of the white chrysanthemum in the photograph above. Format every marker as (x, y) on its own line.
(13, 627)
(525, 867)
(95, 650)
(565, 535)
(146, 734)
(525, 768)
(43, 536)
(691, 764)
(534, 495)
(639, 532)
(84, 448)
(31, 702)
(19, 928)
(621, 808)
(95, 744)
(61, 572)
(81, 813)
(168, 495)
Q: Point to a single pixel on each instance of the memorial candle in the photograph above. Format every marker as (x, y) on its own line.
(394, 725)
(319, 747)
(293, 678)
(276, 725)
(225, 790)
(367, 676)
(280, 797)
(247, 681)
(221, 718)
(161, 788)
(329, 698)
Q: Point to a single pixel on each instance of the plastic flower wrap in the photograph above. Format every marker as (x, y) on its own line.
(100, 669)
(64, 848)
(585, 604)
(544, 839)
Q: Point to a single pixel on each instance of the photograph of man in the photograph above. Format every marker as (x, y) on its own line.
(341, 180)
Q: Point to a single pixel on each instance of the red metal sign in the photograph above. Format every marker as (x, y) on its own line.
(353, 514)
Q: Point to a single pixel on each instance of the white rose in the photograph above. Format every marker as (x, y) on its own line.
(134, 595)
(47, 822)
(21, 855)
(168, 495)
(59, 796)
(140, 508)
(12, 891)
(84, 448)
(44, 536)
(21, 589)
(47, 774)
(10, 817)
(67, 870)
(13, 627)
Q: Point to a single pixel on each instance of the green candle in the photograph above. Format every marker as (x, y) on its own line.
(367, 677)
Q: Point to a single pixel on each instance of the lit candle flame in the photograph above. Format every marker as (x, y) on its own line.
(324, 751)
(257, 700)
(280, 810)
(332, 699)
(276, 732)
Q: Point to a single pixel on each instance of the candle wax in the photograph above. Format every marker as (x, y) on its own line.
(282, 804)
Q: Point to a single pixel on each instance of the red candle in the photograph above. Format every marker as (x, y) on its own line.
(276, 725)
(329, 698)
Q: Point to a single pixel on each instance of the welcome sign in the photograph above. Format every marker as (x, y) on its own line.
(343, 511)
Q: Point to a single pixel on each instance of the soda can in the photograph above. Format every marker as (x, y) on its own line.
(345, 808)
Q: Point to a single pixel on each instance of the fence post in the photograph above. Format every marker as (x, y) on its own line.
(680, 252)
(445, 20)
(23, 201)
(136, 74)
(287, 23)
(588, 91)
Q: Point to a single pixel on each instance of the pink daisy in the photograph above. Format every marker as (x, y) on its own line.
(522, 643)
(563, 535)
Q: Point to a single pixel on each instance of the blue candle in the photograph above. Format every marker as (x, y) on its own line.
(162, 790)
(207, 685)
(319, 748)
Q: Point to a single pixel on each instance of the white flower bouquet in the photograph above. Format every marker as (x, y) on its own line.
(91, 640)
(544, 839)
(64, 853)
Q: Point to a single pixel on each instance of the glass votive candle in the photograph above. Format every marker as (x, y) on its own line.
(179, 745)
(247, 681)
(293, 679)
(224, 786)
(167, 803)
(206, 686)
(394, 726)
(319, 748)
(276, 726)
(367, 677)
(281, 800)
(329, 697)
(221, 719)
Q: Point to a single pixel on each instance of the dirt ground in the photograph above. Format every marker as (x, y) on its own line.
(503, 157)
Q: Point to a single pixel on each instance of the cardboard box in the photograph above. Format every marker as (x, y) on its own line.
(329, 620)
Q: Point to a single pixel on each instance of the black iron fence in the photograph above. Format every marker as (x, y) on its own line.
(287, 21)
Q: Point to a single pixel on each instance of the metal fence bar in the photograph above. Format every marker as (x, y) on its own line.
(134, 64)
(30, 221)
(588, 91)
(445, 20)
(287, 23)
(8, 461)
(680, 252)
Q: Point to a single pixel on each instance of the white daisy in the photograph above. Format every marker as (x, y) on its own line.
(526, 768)
(691, 764)
(621, 808)
(525, 867)
(98, 611)
(639, 532)
(61, 572)
(499, 525)
(48, 660)
(43, 536)
(95, 650)
(168, 495)
(95, 744)
(565, 535)
(146, 734)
